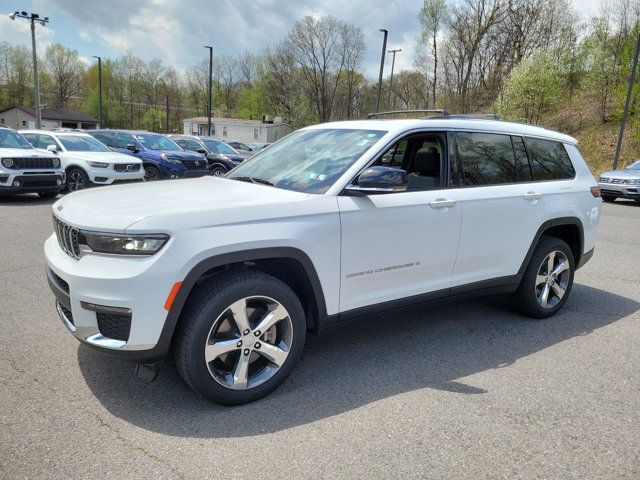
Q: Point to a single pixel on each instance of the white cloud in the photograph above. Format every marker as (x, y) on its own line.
(18, 32)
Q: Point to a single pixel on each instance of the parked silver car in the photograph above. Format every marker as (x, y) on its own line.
(621, 183)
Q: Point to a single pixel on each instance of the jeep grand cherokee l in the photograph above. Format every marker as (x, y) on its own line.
(327, 225)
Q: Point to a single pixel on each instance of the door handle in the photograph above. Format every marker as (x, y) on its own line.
(442, 203)
(532, 196)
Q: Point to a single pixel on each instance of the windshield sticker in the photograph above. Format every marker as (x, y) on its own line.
(315, 176)
(371, 135)
(362, 143)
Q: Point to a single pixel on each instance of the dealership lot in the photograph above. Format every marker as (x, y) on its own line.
(469, 390)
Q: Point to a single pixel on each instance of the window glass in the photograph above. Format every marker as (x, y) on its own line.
(394, 156)
(549, 160)
(193, 146)
(181, 142)
(256, 134)
(308, 161)
(486, 158)
(153, 141)
(219, 147)
(32, 138)
(82, 143)
(522, 162)
(11, 139)
(224, 131)
(104, 137)
(124, 139)
(45, 140)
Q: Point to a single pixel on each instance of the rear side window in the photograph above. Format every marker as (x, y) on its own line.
(522, 162)
(486, 158)
(549, 160)
(106, 138)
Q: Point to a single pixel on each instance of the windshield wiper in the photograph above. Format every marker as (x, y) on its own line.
(254, 180)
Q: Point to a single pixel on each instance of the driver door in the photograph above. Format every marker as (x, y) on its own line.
(399, 245)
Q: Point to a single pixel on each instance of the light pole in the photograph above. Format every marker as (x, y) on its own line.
(384, 49)
(393, 63)
(210, 81)
(625, 113)
(33, 18)
(100, 91)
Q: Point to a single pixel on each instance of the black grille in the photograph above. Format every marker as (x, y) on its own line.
(38, 183)
(191, 164)
(64, 285)
(114, 326)
(67, 238)
(67, 313)
(32, 163)
(126, 167)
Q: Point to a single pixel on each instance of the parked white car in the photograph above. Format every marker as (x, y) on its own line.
(327, 225)
(86, 160)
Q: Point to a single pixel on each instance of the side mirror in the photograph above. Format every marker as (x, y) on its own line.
(202, 150)
(132, 147)
(379, 179)
(52, 148)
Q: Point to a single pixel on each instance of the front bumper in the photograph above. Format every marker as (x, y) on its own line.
(107, 176)
(31, 182)
(92, 288)
(196, 173)
(620, 190)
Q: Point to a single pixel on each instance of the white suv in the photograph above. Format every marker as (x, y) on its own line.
(332, 223)
(23, 169)
(86, 161)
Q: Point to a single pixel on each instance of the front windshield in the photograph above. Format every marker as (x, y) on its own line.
(153, 141)
(81, 143)
(11, 139)
(634, 166)
(309, 161)
(219, 147)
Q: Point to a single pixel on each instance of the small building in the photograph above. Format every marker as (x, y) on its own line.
(20, 117)
(267, 130)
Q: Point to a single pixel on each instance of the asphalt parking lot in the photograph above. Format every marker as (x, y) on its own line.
(469, 390)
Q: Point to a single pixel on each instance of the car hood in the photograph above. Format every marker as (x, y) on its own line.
(25, 152)
(162, 205)
(622, 174)
(106, 157)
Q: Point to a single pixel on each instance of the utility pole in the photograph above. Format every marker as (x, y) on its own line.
(384, 49)
(210, 82)
(393, 62)
(625, 114)
(33, 18)
(100, 91)
(167, 95)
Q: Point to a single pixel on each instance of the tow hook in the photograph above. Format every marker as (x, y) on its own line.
(148, 372)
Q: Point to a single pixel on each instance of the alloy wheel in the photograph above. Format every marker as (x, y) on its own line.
(248, 342)
(75, 181)
(552, 279)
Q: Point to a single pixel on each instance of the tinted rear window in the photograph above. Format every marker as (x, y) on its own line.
(486, 158)
(549, 160)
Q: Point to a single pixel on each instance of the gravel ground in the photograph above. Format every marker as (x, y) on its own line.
(469, 390)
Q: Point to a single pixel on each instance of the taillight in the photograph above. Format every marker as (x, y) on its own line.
(595, 191)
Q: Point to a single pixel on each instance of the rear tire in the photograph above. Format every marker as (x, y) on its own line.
(220, 350)
(547, 281)
(608, 198)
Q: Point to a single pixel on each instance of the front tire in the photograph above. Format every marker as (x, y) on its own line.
(239, 337)
(77, 179)
(151, 173)
(547, 281)
(217, 171)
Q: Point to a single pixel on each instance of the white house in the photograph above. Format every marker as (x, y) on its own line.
(20, 117)
(268, 130)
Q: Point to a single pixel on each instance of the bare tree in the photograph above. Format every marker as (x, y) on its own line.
(433, 17)
(64, 73)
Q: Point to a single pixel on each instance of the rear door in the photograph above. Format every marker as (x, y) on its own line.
(399, 245)
(502, 207)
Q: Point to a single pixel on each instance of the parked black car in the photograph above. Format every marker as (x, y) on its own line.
(221, 157)
(161, 157)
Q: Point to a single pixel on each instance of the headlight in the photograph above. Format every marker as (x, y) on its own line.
(124, 244)
(56, 162)
(166, 158)
(97, 164)
(7, 162)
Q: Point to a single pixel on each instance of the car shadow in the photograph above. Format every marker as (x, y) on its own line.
(19, 200)
(356, 366)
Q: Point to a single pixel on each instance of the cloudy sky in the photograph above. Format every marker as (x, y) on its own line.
(175, 31)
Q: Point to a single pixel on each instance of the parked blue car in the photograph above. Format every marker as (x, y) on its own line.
(161, 156)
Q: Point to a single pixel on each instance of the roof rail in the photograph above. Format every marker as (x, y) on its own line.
(442, 112)
(478, 116)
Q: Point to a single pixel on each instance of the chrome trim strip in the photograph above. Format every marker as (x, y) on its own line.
(64, 319)
(94, 307)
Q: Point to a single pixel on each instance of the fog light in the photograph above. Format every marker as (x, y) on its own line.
(59, 182)
(16, 183)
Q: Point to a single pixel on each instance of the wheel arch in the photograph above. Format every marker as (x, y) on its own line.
(569, 229)
(288, 264)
